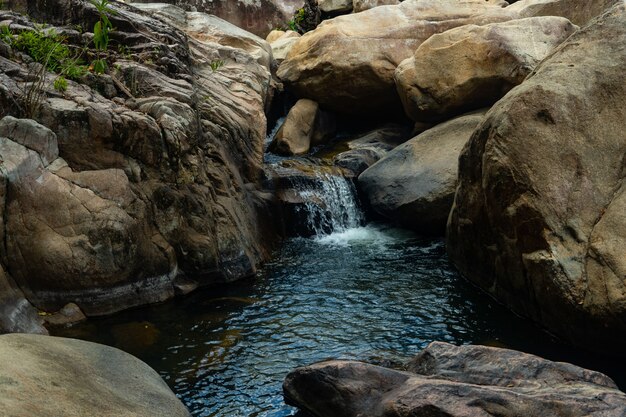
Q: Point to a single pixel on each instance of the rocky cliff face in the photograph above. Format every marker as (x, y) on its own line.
(146, 175)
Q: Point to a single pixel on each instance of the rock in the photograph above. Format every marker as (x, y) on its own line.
(275, 35)
(16, 313)
(361, 5)
(283, 44)
(347, 63)
(258, 17)
(538, 218)
(335, 6)
(578, 12)
(31, 135)
(474, 66)
(414, 184)
(365, 150)
(451, 381)
(305, 125)
(53, 376)
(308, 193)
(163, 180)
(69, 314)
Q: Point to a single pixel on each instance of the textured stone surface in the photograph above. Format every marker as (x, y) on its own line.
(361, 5)
(347, 63)
(414, 184)
(44, 376)
(163, 179)
(538, 220)
(464, 381)
(473, 66)
(579, 12)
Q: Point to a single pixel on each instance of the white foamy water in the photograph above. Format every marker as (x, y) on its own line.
(372, 234)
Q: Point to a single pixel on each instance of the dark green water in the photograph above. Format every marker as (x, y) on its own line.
(369, 293)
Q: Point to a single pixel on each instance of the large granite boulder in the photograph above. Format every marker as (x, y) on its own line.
(348, 62)
(414, 184)
(162, 180)
(473, 66)
(578, 12)
(464, 381)
(538, 219)
(361, 5)
(44, 376)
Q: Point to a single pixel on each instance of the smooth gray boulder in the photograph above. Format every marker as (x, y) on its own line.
(43, 376)
(414, 184)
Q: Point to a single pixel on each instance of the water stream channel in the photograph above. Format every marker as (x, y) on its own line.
(367, 292)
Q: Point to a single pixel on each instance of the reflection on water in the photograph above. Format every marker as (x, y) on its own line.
(370, 293)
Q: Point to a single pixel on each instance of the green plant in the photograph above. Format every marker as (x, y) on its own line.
(6, 35)
(60, 84)
(216, 64)
(73, 69)
(101, 31)
(99, 66)
(298, 18)
(44, 47)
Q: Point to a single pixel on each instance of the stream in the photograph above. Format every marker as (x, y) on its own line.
(352, 291)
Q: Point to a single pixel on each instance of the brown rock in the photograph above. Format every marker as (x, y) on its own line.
(451, 381)
(538, 219)
(347, 63)
(474, 66)
(305, 125)
(361, 5)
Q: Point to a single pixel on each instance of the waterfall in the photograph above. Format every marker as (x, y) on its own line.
(329, 204)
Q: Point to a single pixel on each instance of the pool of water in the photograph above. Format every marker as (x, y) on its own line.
(371, 293)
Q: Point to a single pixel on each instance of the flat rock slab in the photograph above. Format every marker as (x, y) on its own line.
(455, 381)
(44, 376)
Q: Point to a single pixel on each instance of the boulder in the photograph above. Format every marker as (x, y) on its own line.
(335, 6)
(361, 5)
(446, 380)
(538, 219)
(414, 184)
(282, 45)
(305, 125)
(366, 150)
(578, 12)
(51, 376)
(474, 66)
(347, 63)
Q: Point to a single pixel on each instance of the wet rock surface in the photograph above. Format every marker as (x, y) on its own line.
(455, 381)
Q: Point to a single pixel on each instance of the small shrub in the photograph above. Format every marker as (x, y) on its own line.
(216, 64)
(60, 84)
(101, 31)
(99, 66)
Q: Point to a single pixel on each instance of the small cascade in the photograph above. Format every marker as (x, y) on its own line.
(316, 199)
(331, 206)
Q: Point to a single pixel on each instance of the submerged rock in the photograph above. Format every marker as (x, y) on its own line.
(538, 219)
(45, 376)
(464, 381)
(414, 184)
(470, 67)
(347, 63)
